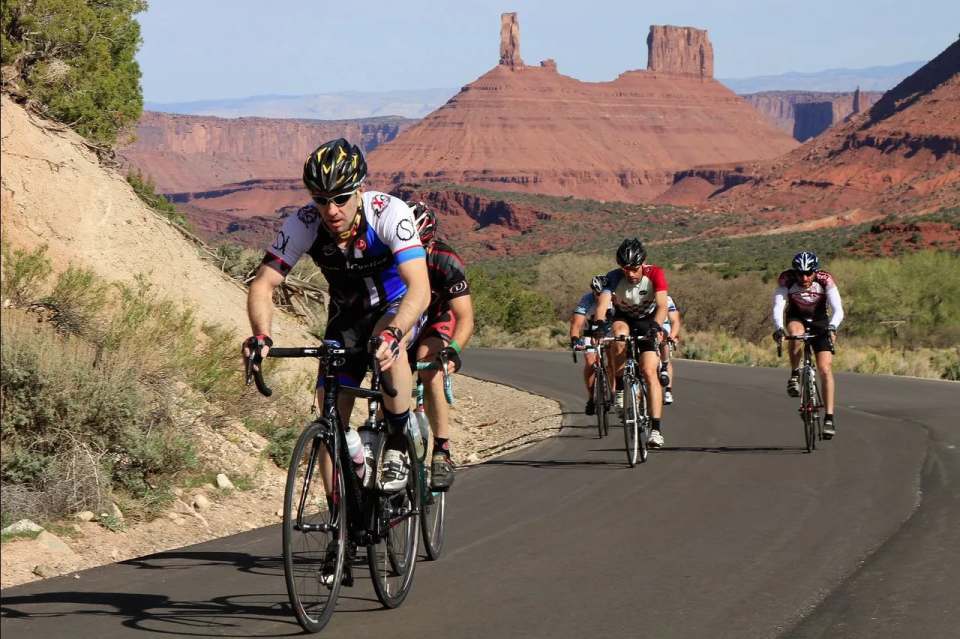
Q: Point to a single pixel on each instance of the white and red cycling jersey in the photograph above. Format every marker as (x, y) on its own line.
(807, 302)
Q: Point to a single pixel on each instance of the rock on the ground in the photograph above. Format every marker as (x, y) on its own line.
(22, 526)
(200, 502)
(115, 511)
(45, 572)
(224, 483)
(178, 492)
(85, 515)
(52, 542)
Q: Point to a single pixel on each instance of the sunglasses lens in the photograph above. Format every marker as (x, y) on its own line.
(339, 200)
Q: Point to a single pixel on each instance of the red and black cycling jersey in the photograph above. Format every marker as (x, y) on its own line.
(448, 277)
(806, 302)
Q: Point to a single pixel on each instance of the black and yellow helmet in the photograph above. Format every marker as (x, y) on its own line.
(335, 167)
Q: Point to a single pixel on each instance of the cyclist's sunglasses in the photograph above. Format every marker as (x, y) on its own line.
(339, 200)
(805, 273)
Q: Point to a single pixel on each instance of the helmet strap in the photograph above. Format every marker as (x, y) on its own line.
(353, 227)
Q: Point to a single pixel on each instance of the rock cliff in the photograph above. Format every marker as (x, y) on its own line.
(194, 153)
(673, 49)
(531, 128)
(903, 154)
(807, 114)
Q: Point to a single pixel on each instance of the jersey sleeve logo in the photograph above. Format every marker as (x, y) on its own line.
(280, 243)
(307, 215)
(459, 287)
(405, 230)
(379, 204)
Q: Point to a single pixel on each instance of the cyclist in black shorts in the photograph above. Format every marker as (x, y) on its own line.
(448, 328)
(639, 295)
(804, 292)
(367, 248)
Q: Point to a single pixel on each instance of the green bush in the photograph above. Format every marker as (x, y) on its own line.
(23, 274)
(145, 190)
(502, 301)
(77, 59)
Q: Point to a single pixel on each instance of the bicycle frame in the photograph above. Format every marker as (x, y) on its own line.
(361, 511)
(811, 401)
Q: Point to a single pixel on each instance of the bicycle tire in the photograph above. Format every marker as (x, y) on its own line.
(598, 403)
(301, 569)
(806, 408)
(643, 431)
(432, 516)
(630, 421)
(392, 556)
(607, 405)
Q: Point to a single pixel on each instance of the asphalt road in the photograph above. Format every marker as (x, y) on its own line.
(731, 530)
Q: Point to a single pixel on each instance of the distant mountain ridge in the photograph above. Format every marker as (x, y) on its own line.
(879, 78)
(343, 105)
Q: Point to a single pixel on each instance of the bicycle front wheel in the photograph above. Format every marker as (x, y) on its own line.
(314, 534)
(393, 555)
(630, 421)
(598, 400)
(432, 512)
(807, 408)
(643, 431)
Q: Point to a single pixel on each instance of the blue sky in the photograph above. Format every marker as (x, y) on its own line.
(207, 49)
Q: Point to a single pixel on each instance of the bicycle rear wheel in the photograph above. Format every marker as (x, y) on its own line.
(309, 528)
(393, 555)
(607, 404)
(806, 407)
(630, 421)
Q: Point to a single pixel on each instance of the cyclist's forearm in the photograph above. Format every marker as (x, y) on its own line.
(779, 304)
(410, 309)
(462, 309)
(260, 301)
(833, 297)
(576, 325)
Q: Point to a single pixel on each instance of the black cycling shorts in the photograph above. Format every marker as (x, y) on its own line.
(353, 330)
(639, 327)
(820, 343)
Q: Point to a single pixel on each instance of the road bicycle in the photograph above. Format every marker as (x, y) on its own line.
(635, 415)
(602, 392)
(323, 529)
(432, 502)
(811, 403)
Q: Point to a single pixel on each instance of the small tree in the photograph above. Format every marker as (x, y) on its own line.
(76, 60)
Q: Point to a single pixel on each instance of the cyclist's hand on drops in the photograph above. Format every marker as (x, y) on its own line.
(260, 346)
(452, 357)
(778, 335)
(655, 332)
(575, 343)
(389, 349)
(832, 330)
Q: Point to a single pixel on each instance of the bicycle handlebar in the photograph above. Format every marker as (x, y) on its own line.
(314, 351)
(447, 382)
(806, 337)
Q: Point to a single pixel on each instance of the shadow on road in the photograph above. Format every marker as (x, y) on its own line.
(553, 463)
(735, 450)
(246, 615)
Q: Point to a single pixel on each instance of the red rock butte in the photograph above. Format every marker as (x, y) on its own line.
(903, 154)
(521, 127)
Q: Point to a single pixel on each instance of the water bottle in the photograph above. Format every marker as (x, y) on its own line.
(424, 425)
(369, 438)
(355, 450)
(413, 427)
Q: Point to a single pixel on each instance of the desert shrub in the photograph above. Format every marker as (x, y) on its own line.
(145, 189)
(77, 300)
(76, 59)
(502, 301)
(24, 273)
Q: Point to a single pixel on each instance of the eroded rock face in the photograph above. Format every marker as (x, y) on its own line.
(807, 114)
(510, 40)
(685, 50)
(900, 155)
(196, 153)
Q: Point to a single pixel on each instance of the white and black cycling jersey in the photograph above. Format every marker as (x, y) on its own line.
(364, 275)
